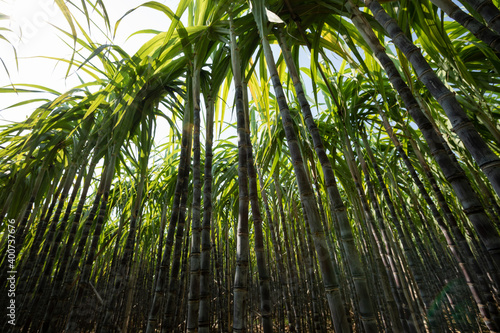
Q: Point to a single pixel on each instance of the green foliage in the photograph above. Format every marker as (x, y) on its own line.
(115, 120)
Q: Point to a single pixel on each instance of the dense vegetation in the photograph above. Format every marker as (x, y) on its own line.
(357, 191)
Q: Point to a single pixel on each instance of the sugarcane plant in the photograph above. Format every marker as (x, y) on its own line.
(260, 166)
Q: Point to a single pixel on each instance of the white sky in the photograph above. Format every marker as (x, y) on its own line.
(34, 35)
